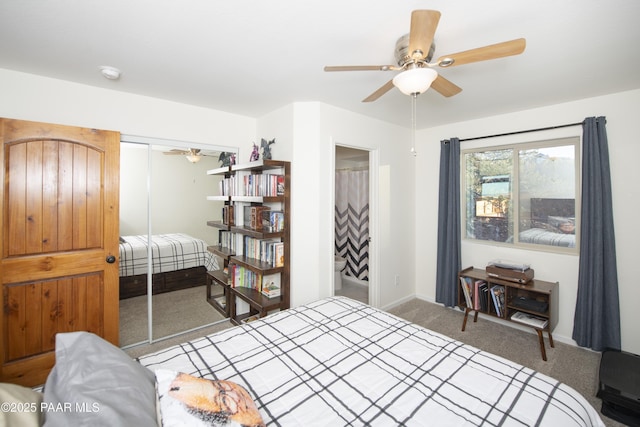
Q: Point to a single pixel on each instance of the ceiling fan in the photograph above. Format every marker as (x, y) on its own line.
(414, 52)
(192, 154)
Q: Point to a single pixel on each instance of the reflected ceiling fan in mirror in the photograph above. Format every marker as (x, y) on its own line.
(192, 154)
(414, 52)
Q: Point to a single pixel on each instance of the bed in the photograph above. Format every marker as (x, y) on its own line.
(333, 362)
(179, 262)
(341, 362)
(552, 223)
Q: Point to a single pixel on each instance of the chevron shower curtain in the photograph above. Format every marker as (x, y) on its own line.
(352, 221)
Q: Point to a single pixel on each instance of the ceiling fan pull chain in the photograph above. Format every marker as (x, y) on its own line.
(414, 99)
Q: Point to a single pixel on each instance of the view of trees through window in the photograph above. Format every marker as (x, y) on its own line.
(524, 194)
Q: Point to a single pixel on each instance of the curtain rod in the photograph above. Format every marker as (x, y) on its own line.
(517, 132)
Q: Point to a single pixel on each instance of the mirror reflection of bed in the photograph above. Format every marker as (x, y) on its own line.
(552, 222)
(166, 193)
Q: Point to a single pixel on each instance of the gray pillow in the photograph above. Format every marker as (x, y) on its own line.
(95, 383)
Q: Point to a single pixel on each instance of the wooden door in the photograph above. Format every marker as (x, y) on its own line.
(59, 234)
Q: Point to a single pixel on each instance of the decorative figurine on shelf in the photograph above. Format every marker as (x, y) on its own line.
(227, 159)
(255, 154)
(265, 147)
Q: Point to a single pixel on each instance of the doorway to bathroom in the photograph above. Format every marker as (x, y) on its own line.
(351, 216)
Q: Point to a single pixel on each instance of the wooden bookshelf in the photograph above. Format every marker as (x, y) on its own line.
(259, 304)
(537, 299)
(218, 293)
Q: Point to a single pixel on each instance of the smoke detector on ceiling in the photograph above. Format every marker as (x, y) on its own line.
(110, 73)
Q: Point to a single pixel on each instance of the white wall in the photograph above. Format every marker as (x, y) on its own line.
(315, 130)
(395, 210)
(134, 189)
(306, 134)
(30, 97)
(175, 183)
(621, 113)
(295, 128)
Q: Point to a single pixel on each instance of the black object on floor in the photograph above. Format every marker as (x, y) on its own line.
(619, 386)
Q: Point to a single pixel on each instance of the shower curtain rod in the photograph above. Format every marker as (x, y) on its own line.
(446, 141)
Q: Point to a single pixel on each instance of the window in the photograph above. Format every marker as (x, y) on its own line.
(524, 195)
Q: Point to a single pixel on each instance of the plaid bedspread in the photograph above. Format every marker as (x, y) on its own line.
(170, 252)
(337, 362)
(546, 237)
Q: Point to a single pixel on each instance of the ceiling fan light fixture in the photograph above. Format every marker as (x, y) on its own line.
(415, 80)
(193, 158)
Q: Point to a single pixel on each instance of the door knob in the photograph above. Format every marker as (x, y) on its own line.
(111, 259)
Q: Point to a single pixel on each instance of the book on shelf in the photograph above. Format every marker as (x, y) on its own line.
(497, 295)
(271, 285)
(228, 216)
(227, 186)
(471, 289)
(476, 294)
(269, 251)
(227, 240)
(273, 220)
(253, 216)
(269, 185)
(241, 277)
(466, 292)
(268, 284)
(279, 254)
(484, 297)
(530, 320)
(280, 185)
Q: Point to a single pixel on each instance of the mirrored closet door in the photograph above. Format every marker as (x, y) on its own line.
(164, 213)
(134, 225)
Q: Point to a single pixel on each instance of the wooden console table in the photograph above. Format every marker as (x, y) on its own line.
(536, 301)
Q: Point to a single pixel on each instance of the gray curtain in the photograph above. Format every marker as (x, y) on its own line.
(596, 322)
(448, 223)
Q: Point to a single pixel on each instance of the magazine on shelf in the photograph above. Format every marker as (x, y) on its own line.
(530, 320)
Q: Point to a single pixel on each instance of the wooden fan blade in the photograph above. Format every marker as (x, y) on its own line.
(494, 51)
(381, 91)
(444, 87)
(423, 28)
(176, 152)
(358, 67)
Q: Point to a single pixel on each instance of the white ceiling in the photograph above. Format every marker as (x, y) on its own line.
(251, 57)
